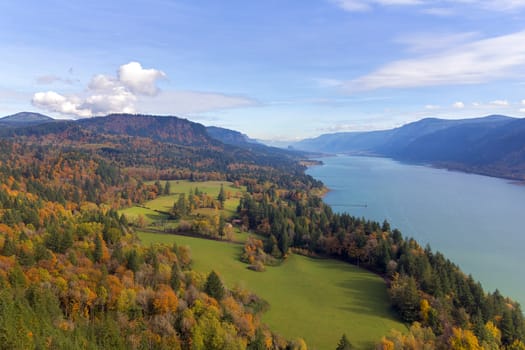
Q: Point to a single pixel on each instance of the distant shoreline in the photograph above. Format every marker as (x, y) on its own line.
(518, 181)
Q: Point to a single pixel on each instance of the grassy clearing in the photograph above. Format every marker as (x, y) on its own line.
(212, 188)
(150, 215)
(317, 300)
(152, 210)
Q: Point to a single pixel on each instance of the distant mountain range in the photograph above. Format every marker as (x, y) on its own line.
(492, 145)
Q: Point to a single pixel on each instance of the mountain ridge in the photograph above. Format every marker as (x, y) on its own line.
(492, 145)
(25, 118)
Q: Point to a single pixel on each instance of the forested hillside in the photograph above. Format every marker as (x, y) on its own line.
(73, 273)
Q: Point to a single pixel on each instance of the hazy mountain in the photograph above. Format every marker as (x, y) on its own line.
(229, 137)
(25, 118)
(493, 145)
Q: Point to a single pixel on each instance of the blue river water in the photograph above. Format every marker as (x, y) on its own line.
(476, 221)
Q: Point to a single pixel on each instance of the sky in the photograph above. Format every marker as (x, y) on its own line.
(277, 70)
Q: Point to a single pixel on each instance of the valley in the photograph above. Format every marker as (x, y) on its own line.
(133, 222)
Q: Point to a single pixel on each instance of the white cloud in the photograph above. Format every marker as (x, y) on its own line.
(499, 103)
(458, 105)
(104, 94)
(139, 80)
(431, 107)
(134, 90)
(522, 110)
(475, 62)
(55, 102)
(523, 102)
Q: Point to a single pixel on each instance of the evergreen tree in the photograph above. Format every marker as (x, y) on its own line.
(344, 344)
(167, 188)
(174, 278)
(214, 286)
(133, 261)
(160, 190)
(222, 196)
(222, 224)
(9, 247)
(97, 253)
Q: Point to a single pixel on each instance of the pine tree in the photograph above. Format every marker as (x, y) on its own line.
(222, 224)
(222, 196)
(167, 188)
(344, 344)
(213, 286)
(97, 253)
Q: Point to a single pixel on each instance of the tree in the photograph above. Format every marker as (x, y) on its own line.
(222, 224)
(344, 344)
(405, 297)
(167, 188)
(214, 286)
(133, 261)
(97, 253)
(222, 196)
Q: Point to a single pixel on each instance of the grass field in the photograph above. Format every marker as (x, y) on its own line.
(315, 299)
(212, 188)
(165, 203)
(149, 215)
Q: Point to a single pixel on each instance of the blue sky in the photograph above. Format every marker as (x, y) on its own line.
(274, 69)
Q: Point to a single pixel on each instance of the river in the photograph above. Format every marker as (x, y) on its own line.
(476, 221)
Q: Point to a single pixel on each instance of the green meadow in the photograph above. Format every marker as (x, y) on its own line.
(212, 188)
(315, 299)
(152, 210)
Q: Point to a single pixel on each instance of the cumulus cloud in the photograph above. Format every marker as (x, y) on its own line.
(55, 102)
(139, 80)
(469, 63)
(134, 89)
(105, 94)
(458, 105)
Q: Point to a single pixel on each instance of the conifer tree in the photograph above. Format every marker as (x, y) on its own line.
(222, 196)
(344, 344)
(213, 286)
